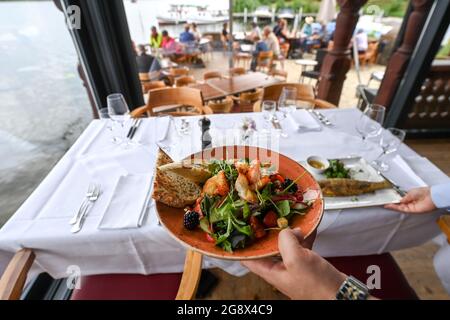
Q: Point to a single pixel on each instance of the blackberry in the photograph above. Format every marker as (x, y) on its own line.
(292, 188)
(191, 220)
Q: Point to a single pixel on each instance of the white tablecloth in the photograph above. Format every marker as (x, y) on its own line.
(149, 249)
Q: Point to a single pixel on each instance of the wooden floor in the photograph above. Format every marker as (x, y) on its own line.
(416, 263)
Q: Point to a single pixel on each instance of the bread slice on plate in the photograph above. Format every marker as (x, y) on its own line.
(178, 184)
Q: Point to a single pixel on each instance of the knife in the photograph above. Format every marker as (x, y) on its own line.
(133, 123)
(136, 126)
(399, 190)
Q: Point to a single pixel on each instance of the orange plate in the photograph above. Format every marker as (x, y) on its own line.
(172, 218)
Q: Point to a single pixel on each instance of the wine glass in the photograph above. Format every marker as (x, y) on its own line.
(371, 121)
(390, 140)
(118, 112)
(268, 109)
(287, 103)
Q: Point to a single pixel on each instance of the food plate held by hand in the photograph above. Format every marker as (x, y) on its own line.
(231, 202)
(353, 183)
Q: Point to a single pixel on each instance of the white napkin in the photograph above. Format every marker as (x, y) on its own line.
(303, 121)
(408, 178)
(128, 203)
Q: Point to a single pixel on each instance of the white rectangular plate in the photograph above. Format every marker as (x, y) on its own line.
(359, 170)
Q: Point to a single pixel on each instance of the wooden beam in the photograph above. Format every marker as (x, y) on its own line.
(399, 60)
(337, 61)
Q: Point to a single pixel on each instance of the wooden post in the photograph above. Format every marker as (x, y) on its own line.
(337, 61)
(398, 62)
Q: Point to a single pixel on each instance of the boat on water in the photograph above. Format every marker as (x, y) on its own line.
(263, 12)
(286, 13)
(192, 14)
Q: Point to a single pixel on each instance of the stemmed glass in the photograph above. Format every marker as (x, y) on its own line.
(268, 109)
(390, 140)
(118, 112)
(287, 103)
(371, 121)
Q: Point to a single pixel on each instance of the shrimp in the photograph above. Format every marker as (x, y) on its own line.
(254, 176)
(243, 189)
(254, 172)
(217, 185)
(241, 166)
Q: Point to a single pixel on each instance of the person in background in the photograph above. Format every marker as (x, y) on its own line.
(362, 42)
(303, 274)
(281, 31)
(155, 38)
(145, 62)
(197, 34)
(329, 30)
(225, 36)
(260, 46)
(186, 35)
(170, 46)
(271, 40)
(256, 32)
(307, 30)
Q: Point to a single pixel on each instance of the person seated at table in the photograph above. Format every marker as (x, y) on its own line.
(145, 62)
(170, 47)
(281, 31)
(329, 31)
(197, 34)
(260, 46)
(155, 38)
(362, 42)
(187, 36)
(256, 32)
(271, 40)
(303, 274)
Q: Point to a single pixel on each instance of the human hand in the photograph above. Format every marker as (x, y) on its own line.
(302, 274)
(416, 201)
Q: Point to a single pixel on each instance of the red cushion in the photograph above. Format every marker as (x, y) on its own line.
(392, 281)
(128, 287)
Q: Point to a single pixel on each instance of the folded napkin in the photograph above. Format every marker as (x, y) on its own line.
(129, 202)
(302, 120)
(404, 175)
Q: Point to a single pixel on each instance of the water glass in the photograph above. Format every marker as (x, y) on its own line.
(118, 112)
(268, 109)
(371, 121)
(390, 141)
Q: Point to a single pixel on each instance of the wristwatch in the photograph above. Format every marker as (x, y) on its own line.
(352, 289)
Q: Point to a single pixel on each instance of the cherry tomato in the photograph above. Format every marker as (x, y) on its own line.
(270, 219)
(209, 238)
(278, 177)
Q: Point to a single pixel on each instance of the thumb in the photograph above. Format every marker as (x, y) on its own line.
(290, 247)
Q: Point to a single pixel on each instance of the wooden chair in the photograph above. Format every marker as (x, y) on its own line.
(246, 100)
(305, 94)
(238, 71)
(144, 76)
(264, 60)
(14, 277)
(243, 57)
(281, 58)
(370, 56)
(221, 106)
(176, 73)
(212, 75)
(147, 86)
(281, 74)
(172, 98)
(184, 81)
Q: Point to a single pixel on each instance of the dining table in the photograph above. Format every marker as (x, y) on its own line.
(218, 88)
(113, 240)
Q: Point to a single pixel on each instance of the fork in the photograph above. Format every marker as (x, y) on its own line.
(79, 224)
(89, 193)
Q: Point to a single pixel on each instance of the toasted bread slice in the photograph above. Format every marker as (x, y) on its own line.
(175, 190)
(162, 158)
(195, 172)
